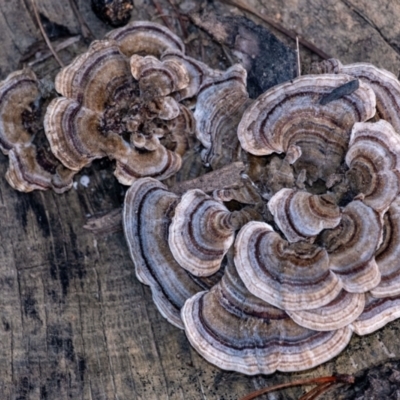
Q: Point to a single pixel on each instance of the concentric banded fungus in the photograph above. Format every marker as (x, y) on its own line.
(158, 78)
(145, 38)
(385, 85)
(201, 233)
(31, 164)
(107, 113)
(198, 73)
(94, 77)
(146, 217)
(352, 246)
(388, 254)
(219, 107)
(377, 313)
(237, 331)
(340, 312)
(374, 161)
(301, 215)
(291, 114)
(289, 276)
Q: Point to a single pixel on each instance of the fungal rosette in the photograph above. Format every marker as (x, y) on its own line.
(301, 215)
(309, 245)
(201, 233)
(122, 100)
(32, 165)
(148, 209)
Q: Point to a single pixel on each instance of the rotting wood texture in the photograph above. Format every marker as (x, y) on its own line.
(74, 321)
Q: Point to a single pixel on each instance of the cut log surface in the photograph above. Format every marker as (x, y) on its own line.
(75, 323)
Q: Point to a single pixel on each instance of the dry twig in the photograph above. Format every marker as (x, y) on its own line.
(58, 47)
(45, 37)
(298, 56)
(161, 14)
(86, 32)
(323, 383)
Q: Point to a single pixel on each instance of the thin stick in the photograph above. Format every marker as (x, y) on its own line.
(241, 4)
(46, 38)
(317, 391)
(179, 15)
(86, 32)
(298, 57)
(105, 224)
(323, 380)
(58, 47)
(161, 14)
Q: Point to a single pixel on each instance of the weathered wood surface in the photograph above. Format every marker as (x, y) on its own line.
(74, 321)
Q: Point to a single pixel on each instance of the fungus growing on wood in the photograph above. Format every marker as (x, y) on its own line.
(332, 223)
(31, 163)
(289, 276)
(145, 38)
(301, 215)
(373, 159)
(384, 84)
(105, 111)
(322, 177)
(237, 331)
(352, 246)
(291, 114)
(377, 313)
(147, 214)
(388, 254)
(219, 107)
(341, 311)
(200, 234)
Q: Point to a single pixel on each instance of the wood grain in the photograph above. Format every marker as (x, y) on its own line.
(74, 321)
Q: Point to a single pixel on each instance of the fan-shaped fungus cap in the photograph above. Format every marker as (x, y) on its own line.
(337, 314)
(146, 216)
(301, 215)
(352, 246)
(237, 331)
(198, 73)
(384, 84)
(103, 114)
(373, 159)
(200, 233)
(388, 255)
(17, 93)
(31, 164)
(377, 313)
(33, 168)
(74, 133)
(220, 105)
(292, 114)
(95, 76)
(289, 276)
(145, 38)
(158, 78)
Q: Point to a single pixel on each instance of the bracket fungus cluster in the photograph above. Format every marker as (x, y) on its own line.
(283, 281)
(274, 272)
(32, 164)
(128, 98)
